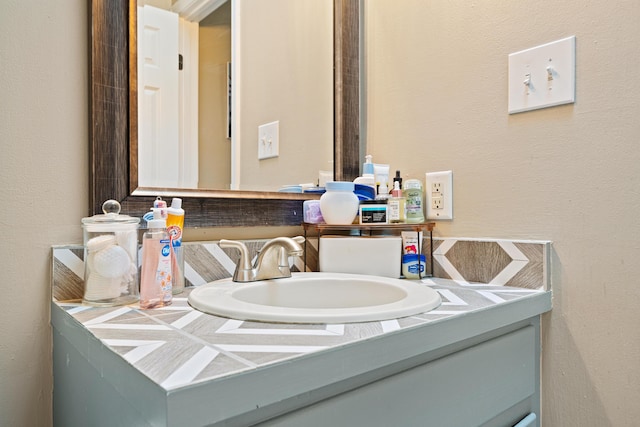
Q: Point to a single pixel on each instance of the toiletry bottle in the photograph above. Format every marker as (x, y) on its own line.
(155, 278)
(368, 177)
(367, 167)
(383, 192)
(158, 203)
(175, 225)
(397, 205)
(381, 175)
(413, 193)
(397, 179)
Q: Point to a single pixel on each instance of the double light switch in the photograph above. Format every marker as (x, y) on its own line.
(542, 76)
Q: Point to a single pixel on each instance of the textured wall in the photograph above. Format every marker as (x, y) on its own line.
(437, 100)
(436, 75)
(286, 54)
(44, 190)
(214, 149)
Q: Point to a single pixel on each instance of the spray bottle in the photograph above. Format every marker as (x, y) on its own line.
(175, 225)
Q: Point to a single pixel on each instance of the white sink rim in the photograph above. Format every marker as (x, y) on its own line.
(410, 298)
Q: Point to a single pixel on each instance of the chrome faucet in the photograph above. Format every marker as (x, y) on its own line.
(272, 262)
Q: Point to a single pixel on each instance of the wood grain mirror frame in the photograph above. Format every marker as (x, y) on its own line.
(113, 128)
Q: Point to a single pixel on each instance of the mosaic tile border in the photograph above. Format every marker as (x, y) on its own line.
(500, 262)
(523, 264)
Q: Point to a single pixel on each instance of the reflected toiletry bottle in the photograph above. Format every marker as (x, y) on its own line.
(155, 278)
(381, 174)
(383, 192)
(397, 205)
(175, 225)
(368, 177)
(413, 193)
(367, 167)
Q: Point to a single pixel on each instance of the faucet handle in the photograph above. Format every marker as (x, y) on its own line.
(299, 239)
(245, 260)
(224, 243)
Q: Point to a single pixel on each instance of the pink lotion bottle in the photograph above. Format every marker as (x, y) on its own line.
(156, 275)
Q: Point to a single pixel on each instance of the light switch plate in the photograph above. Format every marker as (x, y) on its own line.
(543, 76)
(268, 140)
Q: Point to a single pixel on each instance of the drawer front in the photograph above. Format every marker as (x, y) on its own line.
(467, 388)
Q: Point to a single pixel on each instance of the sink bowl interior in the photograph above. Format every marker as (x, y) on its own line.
(320, 292)
(316, 298)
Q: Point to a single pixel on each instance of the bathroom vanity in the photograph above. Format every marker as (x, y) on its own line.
(475, 360)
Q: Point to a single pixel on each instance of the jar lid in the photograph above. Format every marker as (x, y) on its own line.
(412, 183)
(111, 209)
(412, 258)
(339, 186)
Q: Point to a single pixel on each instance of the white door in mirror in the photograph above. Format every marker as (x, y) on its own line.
(158, 82)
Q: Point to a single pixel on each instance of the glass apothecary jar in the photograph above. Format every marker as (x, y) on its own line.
(110, 257)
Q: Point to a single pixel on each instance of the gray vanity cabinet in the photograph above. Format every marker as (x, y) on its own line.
(478, 367)
(493, 383)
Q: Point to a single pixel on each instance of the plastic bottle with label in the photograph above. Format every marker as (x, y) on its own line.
(156, 274)
(414, 194)
(397, 205)
(175, 225)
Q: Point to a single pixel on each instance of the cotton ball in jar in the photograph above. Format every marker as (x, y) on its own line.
(111, 262)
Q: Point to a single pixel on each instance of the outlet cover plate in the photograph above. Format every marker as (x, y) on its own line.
(543, 76)
(439, 191)
(268, 140)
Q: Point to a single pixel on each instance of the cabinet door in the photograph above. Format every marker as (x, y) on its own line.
(467, 388)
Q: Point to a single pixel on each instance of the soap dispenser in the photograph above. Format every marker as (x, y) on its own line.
(156, 274)
(368, 177)
(367, 167)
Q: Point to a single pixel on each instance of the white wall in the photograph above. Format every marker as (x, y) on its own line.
(437, 100)
(443, 83)
(214, 149)
(43, 186)
(286, 49)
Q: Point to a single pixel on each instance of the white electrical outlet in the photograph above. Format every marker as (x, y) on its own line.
(268, 144)
(439, 195)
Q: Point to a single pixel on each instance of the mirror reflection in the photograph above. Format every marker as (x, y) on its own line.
(244, 64)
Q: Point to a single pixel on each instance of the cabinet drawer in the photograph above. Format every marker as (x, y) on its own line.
(466, 388)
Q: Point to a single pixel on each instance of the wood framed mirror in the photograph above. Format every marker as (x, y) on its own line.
(113, 127)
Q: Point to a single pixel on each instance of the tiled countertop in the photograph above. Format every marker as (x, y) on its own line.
(177, 346)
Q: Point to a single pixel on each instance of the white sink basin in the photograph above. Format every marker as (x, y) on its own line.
(315, 298)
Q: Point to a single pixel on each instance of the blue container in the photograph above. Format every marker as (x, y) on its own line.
(413, 266)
